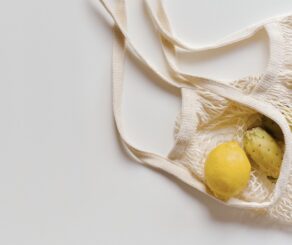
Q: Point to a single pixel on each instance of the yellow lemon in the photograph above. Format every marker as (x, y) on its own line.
(227, 170)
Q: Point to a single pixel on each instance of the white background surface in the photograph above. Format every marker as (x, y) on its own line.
(64, 178)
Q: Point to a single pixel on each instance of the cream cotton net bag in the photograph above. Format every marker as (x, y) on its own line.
(213, 111)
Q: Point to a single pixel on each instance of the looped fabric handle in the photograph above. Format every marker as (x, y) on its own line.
(224, 90)
(148, 158)
(229, 39)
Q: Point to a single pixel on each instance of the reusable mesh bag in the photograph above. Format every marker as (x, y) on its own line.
(214, 112)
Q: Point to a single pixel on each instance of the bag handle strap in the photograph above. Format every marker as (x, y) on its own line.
(170, 44)
(227, 40)
(190, 105)
(181, 80)
(147, 158)
(147, 63)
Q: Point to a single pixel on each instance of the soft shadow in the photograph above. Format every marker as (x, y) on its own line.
(221, 213)
(203, 56)
(260, 40)
(152, 77)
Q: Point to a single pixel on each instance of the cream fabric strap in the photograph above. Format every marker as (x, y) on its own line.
(188, 123)
(224, 90)
(169, 50)
(148, 158)
(230, 39)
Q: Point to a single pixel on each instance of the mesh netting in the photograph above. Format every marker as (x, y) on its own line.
(221, 120)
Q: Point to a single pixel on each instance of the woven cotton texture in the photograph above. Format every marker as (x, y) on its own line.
(213, 111)
(223, 120)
